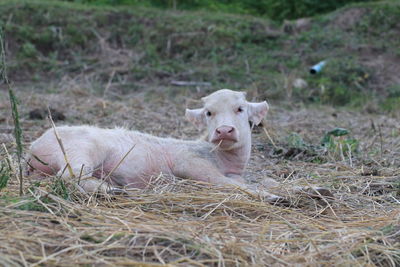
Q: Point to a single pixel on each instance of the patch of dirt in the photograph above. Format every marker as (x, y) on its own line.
(297, 26)
(41, 114)
(348, 18)
(384, 63)
(386, 67)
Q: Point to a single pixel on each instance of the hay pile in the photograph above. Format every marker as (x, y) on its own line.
(184, 223)
(189, 224)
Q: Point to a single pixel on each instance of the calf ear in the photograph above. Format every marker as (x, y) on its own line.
(257, 111)
(196, 116)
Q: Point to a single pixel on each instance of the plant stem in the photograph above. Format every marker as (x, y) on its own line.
(14, 110)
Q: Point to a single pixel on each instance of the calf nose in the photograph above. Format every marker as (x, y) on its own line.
(225, 132)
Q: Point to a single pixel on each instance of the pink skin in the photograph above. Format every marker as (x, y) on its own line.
(220, 159)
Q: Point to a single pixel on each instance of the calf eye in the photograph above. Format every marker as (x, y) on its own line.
(208, 113)
(239, 110)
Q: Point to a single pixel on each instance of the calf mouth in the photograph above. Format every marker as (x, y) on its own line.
(224, 142)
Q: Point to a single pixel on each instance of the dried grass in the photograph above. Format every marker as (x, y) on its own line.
(177, 222)
(192, 224)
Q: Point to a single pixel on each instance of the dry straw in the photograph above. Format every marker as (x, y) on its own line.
(185, 223)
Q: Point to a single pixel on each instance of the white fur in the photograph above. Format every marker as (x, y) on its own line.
(92, 151)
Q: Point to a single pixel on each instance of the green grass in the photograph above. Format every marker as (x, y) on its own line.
(29, 202)
(4, 174)
(51, 39)
(23, 203)
(275, 9)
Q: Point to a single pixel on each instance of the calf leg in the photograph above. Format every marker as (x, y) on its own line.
(79, 173)
(82, 172)
(202, 170)
(76, 168)
(314, 192)
(93, 185)
(241, 184)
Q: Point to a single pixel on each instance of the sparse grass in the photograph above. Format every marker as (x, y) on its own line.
(145, 47)
(342, 82)
(392, 102)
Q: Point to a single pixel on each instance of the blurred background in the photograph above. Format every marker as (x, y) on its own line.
(264, 46)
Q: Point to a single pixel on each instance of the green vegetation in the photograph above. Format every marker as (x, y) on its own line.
(29, 201)
(335, 144)
(392, 102)
(149, 48)
(4, 174)
(14, 109)
(344, 84)
(60, 189)
(275, 9)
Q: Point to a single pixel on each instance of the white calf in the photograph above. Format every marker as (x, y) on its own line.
(96, 153)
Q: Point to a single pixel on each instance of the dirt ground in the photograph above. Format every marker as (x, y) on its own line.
(190, 224)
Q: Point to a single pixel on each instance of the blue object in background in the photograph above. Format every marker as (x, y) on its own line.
(317, 67)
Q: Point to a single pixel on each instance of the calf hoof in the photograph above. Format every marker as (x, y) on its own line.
(277, 200)
(319, 193)
(325, 192)
(269, 183)
(117, 192)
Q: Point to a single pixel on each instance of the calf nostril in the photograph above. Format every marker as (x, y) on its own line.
(224, 130)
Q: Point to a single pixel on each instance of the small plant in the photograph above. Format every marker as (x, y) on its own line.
(59, 188)
(14, 109)
(334, 144)
(337, 145)
(296, 148)
(296, 141)
(328, 137)
(397, 188)
(4, 175)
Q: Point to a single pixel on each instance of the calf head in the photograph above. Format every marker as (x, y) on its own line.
(226, 114)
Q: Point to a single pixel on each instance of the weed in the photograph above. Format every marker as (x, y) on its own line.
(397, 187)
(14, 109)
(31, 204)
(334, 144)
(296, 141)
(24, 202)
(4, 174)
(338, 145)
(59, 188)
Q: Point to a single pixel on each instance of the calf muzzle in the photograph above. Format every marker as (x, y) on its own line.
(225, 133)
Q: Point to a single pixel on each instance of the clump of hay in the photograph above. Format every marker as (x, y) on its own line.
(187, 223)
